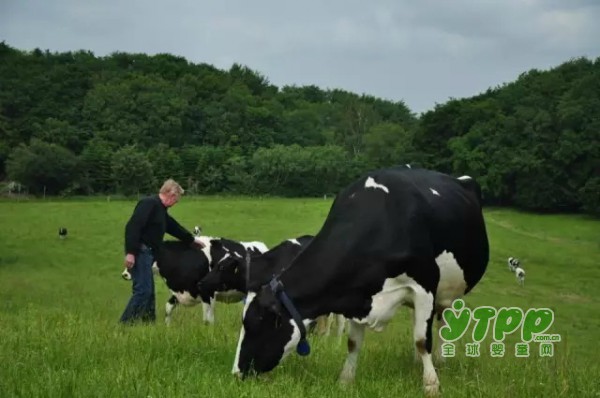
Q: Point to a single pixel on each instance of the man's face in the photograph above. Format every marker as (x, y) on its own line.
(171, 199)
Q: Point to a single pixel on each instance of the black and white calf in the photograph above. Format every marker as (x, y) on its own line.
(183, 282)
(233, 273)
(236, 273)
(182, 267)
(513, 264)
(399, 236)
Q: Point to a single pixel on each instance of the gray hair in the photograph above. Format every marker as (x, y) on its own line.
(171, 186)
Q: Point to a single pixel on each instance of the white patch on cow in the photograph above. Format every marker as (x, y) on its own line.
(224, 258)
(185, 298)
(209, 311)
(395, 292)
(236, 370)
(433, 191)
(356, 335)
(423, 308)
(238, 255)
(452, 283)
(294, 241)
(294, 339)
(206, 249)
(260, 246)
(168, 310)
(370, 183)
(465, 178)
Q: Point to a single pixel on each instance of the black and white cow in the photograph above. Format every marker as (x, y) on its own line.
(398, 236)
(182, 267)
(235, 274)
(513, 264)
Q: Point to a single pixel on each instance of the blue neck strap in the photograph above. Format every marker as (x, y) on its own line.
(303, 348)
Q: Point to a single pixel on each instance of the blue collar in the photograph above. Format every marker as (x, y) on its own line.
(303, 348)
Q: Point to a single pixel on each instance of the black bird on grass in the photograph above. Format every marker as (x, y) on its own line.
(62, 232)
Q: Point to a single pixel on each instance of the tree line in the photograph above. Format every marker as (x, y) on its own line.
(75, 123)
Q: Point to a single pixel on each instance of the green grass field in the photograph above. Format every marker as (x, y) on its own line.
(60, 302)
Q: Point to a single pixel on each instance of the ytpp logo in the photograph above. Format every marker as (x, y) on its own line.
(532, 323)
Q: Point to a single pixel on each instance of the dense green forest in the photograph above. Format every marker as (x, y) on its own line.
(74, 123)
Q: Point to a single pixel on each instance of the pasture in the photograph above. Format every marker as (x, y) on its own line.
(60, 302)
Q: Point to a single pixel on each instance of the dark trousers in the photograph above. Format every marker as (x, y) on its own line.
(141, 306)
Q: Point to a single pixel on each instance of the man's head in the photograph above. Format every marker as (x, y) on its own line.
(170, 192)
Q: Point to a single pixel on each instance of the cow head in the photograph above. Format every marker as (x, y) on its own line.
(228, 274)
(271, 328)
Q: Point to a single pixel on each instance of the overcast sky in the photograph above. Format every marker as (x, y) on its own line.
(421, 52)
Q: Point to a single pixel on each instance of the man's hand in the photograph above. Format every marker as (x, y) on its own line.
(129, 260)
(199, 243)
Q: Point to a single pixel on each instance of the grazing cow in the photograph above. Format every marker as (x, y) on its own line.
(233, 274)
(182, 267)
(393, 237)
(520, 274)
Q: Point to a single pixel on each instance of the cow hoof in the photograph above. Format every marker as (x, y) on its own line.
(346, 381)
(432, 390)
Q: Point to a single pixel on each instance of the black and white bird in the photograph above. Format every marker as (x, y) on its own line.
(62, 232)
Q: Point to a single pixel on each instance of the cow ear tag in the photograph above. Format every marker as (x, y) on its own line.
(303, 348)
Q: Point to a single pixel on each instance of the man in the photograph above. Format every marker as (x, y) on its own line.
(144, 234)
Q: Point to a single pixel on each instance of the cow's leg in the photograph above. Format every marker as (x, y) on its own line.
(417, 357)
(423, 320)
(169, 307)
(320, 324)
(356, 334)
(330, 318)
(208, 311)
(441, 322)
(341, 320)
